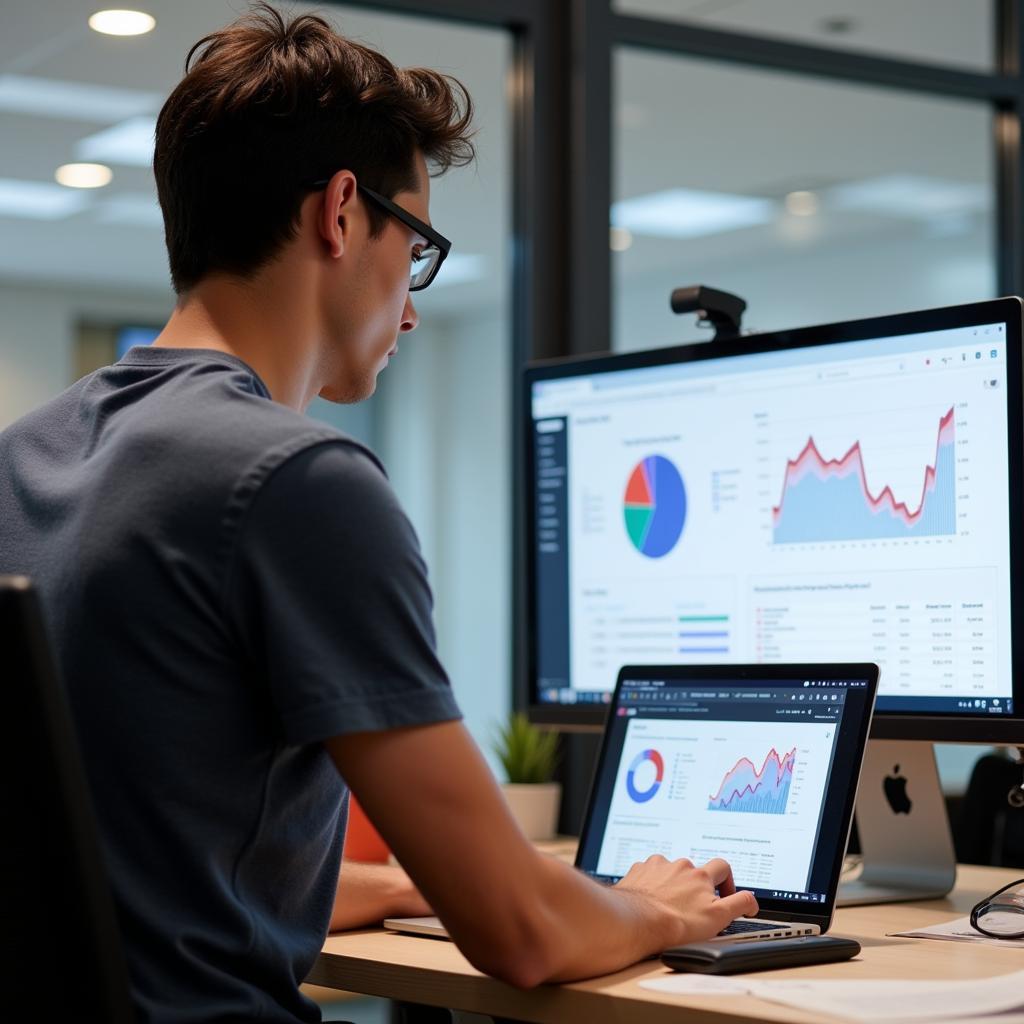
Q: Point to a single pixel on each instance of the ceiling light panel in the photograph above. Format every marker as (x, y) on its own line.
(691, 213)
(130, 142)
(802, 203)
(83, 175)
(73, 101)
(37, 200)
(122, 23)
(910, 195)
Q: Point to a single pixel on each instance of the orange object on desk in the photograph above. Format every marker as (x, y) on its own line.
(362, 841)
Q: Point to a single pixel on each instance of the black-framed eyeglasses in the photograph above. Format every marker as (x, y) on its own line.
(426, 262)
(1001, 915)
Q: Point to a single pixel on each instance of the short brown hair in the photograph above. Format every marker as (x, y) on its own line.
(268, 106)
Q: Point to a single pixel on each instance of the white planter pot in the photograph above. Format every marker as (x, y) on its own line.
(535, 807)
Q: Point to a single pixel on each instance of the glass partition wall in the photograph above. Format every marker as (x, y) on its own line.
(814, 200)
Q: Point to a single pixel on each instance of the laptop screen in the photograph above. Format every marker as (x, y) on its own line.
(758, 766)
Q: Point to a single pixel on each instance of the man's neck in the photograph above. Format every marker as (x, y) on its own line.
(249, 319)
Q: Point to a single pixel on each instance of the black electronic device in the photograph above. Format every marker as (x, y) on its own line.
(845, 492)
(770, 955)
(755, 764)
(714, 308)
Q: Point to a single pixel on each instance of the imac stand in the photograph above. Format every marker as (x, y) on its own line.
(903, 827)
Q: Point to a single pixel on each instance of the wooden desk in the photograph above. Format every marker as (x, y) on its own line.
(433, 971)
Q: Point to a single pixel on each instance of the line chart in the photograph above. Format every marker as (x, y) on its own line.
(744, 789)
(830, 499)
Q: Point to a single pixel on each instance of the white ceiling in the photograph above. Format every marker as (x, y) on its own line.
(678, 122)
(51, 40)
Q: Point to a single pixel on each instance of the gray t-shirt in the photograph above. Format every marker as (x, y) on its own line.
(227, 583)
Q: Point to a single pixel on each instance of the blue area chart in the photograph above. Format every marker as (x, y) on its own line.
(655, 506)
(829, 500)
(637, 768)
(744, 789)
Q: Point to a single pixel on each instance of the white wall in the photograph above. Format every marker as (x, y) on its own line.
(355, 420)
(37, 334)
(444, 434)
(406, 432)
(475, 522)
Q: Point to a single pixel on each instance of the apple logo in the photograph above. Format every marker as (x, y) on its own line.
(896, 792)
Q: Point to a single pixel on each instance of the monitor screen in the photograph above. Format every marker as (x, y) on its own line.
(129, 337)
(841, 493)
(759, 768)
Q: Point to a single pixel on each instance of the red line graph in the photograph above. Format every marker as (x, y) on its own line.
(743, 778)
(810, 460)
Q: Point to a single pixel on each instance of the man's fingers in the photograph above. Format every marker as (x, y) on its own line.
(721, 876)
(739, 904)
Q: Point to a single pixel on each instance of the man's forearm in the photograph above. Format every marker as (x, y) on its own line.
(515, 914)
(589, 929)
(367, 893)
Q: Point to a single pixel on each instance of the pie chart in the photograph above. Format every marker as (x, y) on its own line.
(655, 506)
(636, 794)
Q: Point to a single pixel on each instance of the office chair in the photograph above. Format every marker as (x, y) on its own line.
(63, 949)
(991, 829)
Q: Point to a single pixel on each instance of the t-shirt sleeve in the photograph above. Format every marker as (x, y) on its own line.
(327, 593)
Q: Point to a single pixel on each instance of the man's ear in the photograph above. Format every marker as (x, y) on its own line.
(336, 212)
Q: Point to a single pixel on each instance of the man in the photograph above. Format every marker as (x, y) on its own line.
(238, 604)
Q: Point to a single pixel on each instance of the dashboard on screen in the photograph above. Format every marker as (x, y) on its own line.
(790, 498)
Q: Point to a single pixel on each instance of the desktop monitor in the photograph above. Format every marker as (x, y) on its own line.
(846, 492)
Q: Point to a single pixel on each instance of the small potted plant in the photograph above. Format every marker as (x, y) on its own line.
(529, 757)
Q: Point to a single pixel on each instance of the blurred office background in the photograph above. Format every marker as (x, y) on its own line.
(825, 159)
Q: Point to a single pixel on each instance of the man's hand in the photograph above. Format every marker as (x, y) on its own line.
(367, 893)
(688, 893)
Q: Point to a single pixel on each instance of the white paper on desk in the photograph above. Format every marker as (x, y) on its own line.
(899, 1000)
(998, 1018)
(958, 930)
(683, 984)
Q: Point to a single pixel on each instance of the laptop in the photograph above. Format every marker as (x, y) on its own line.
(758, 764)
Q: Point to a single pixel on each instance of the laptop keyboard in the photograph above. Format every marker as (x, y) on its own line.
(741, 926)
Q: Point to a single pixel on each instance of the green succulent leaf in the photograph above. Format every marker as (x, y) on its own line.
(527, 754)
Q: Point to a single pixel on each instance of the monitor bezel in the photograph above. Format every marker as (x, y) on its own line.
(902, 725)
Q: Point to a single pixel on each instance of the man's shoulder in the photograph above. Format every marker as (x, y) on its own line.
(237, 447)
(193, 437)
(215, 420)
(250, 431)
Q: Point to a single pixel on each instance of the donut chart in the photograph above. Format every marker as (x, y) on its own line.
(641, 796)
(655, 506)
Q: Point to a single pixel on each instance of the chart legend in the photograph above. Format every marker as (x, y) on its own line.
(744, 789)
(830, 500)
